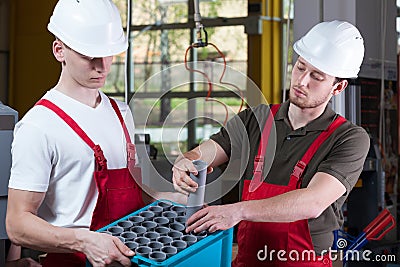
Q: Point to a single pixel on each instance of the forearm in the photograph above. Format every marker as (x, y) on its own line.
(193, 154)
(28, 230)
(299, 204)
(292, 206)
(209, 151)
(288, 207)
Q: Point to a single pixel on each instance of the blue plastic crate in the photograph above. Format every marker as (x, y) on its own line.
(214, 250)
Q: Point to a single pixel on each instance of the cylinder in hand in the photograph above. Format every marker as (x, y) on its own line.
(196, 199)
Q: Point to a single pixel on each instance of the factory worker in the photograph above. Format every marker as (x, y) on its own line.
(293, 208)
(72, 155)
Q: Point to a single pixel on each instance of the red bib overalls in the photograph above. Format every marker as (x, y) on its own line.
(115, 186)
(278, 244)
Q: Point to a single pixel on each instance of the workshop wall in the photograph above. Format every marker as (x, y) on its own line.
(33, 69)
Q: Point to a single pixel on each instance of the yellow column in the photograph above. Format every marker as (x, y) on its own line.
(33, 69)
(265, 53)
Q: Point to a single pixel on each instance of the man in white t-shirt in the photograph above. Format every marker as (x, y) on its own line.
(72, 152)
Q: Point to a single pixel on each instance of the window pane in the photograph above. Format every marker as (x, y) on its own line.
(223, 8)
(176, 11)
(158, 68)
(154, 51)
(115, 82)
(158, 11)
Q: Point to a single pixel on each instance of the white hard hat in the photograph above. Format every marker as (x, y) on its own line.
(335, 47)
(90, 27)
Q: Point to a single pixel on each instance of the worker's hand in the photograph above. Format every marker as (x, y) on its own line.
(24, 262)
(103, 249)
(213, 218)
(180, 175)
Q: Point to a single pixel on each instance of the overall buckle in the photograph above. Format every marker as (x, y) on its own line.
(299, 169)
(258, 164)
(100, 160)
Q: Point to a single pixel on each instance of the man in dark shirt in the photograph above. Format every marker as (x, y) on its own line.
(293, 188)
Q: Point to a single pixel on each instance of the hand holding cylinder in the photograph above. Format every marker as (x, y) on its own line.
(196, 199)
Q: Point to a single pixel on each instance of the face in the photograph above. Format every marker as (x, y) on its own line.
(85, 71)
(311, 88)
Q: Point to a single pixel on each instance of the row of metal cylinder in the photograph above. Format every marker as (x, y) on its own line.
(156, 233)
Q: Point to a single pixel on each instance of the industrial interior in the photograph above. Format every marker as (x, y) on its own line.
(241, 51)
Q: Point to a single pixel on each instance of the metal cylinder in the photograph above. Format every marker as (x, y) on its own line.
(196, 200)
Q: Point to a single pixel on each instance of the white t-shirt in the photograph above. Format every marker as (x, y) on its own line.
(48, 156)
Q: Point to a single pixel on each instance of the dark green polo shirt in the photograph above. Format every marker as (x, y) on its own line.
(342, 155)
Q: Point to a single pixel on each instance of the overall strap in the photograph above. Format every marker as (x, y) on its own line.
(98, 153)
(121, 120)
(302, 164)
(262, 149)
(130, 148)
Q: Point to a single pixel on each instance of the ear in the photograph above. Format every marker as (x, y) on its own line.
(339, 87)
(58, 50)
